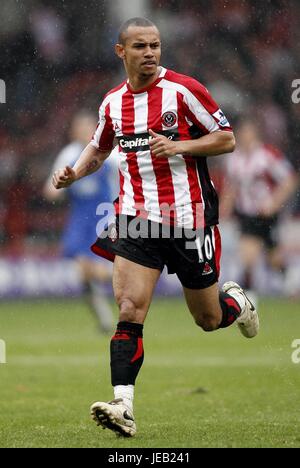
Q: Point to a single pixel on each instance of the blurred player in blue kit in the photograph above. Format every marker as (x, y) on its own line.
(80, 229)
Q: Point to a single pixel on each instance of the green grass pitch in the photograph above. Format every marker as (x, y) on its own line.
(195, 389)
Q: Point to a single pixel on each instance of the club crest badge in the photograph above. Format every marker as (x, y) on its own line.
(169, 119)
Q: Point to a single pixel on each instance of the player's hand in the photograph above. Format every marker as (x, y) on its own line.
(161, 146)
(63, 177)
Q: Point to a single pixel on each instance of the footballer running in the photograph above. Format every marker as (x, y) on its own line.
(166, 125)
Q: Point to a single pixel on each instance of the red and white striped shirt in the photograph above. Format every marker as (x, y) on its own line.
(256, 175)
(179, 187)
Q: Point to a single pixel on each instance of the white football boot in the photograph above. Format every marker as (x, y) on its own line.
(114, 415)
(248, 320)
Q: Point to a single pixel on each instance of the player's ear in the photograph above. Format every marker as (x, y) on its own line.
(120, 51)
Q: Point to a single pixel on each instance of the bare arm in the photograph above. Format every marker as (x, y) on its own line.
(90, 160)
(213, 144)
(50, 192)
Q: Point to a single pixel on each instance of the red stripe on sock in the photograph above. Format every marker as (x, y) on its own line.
(139, 351)
(233, 303)
(122, 336)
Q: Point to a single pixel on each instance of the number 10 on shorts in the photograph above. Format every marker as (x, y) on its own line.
(208, 248)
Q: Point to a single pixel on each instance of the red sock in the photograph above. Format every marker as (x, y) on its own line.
(230, 309)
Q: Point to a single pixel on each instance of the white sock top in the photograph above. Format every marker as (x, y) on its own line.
(126, 392)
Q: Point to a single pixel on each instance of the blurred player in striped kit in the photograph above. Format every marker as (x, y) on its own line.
(259, 181)
(80, 228)
(166, 124)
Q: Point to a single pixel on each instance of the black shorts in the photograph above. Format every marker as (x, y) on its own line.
(263, 228)
(194, 256)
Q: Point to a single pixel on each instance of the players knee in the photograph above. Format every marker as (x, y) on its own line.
(207, 322)
(127, 310)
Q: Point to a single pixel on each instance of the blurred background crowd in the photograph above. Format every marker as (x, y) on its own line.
(57, 58)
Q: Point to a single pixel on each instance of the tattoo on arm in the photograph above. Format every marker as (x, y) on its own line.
(92, 166)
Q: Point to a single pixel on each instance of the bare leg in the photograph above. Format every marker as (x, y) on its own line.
(93, 270)
(275, 259)
(204, 306)
(133, 289)
(94, 274)
(250, 249)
